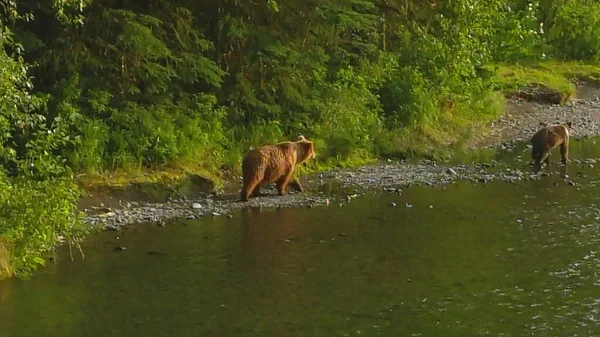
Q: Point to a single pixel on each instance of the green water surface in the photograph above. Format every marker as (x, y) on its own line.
(467, 259)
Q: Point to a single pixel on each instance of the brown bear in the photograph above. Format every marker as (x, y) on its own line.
(548, 138)
(274, 164)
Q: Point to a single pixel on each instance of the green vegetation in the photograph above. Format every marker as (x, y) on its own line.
(111, 91)
(37, 195)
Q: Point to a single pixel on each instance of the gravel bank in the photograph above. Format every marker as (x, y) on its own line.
(522, 119)
(342, 186)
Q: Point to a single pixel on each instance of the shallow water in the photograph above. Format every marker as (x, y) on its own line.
(496, 259)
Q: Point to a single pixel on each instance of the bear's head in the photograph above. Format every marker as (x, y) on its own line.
(305, 149)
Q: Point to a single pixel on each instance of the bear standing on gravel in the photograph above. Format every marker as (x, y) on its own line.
(274, 164)
(548, 138)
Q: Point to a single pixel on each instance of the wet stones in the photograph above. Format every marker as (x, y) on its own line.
(158, 213)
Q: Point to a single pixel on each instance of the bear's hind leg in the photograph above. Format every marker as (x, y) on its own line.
(244, 193)
(248, 190)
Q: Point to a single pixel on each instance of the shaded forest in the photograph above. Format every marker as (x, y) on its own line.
(94, 86)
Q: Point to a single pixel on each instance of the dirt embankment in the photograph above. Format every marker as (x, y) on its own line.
(520, 121)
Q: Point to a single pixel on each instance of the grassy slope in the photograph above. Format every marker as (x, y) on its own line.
(553, 76)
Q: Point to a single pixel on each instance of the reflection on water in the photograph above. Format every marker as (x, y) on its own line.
(494, 259)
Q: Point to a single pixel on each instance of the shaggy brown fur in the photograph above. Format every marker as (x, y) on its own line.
(548, 138)
(274, 164)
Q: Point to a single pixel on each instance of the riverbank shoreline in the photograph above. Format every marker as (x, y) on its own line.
(116, 209)
(498, 152)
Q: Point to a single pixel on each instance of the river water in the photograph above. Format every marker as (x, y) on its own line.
(466, 259)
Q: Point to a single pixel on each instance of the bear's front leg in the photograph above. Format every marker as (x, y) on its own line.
(283, 182)
(564, 152)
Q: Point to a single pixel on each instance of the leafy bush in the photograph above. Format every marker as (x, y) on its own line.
(440, 70)
(576, 31)
(348, 119)
(34, 217)
(518, 34)
(37, 199)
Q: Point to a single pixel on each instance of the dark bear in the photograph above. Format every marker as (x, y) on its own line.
(548, 138)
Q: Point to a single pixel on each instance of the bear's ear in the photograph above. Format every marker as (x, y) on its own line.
(569, 124)
(305, 150)
(301, 137)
